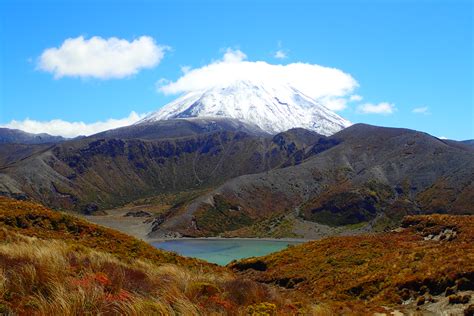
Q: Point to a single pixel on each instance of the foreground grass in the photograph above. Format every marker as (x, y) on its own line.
(55, 264)
(51, 277)
(35, 220)
(428, 256)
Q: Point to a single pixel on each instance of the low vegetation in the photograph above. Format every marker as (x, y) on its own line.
(220, 217)
(55, 264)
(279, 226)
(429, 256)
(162, 203)
(34, 220)
(46, 277)
(346, 204)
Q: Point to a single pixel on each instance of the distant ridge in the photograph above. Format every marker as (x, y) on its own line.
(9, 136)
(175, 128)
(469, 142)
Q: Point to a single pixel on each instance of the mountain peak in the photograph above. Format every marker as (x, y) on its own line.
(272, 107)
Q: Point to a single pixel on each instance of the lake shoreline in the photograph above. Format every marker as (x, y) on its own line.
(222, 251)
(299, 240)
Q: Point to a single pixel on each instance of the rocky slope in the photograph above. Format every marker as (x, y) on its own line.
(174, 128)
(119, 166)
(364, 175)
(239, 181)
(426, 267)
(469, 142)
(8, 136)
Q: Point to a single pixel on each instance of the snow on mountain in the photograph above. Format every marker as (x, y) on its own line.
(273, 108)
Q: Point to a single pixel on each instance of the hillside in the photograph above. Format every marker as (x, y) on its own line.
(469, 142)
(364, 177)
(52, 263)
(96, 173)
(427, 264)
(11, 153)
(16, 136)
(237, 182)
(180, 128)
(68, 266)
(35, 220)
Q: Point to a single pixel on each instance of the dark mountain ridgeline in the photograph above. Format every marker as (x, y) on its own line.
(368, 173)
(363, 174)
(94, 172)
(16, 136)
(179, 128)
(469, 142)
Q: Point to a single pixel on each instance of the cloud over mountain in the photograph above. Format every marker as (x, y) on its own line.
(329, 86)
(63, 128)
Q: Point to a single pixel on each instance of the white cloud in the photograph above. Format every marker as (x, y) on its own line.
(185, 69)
(280, 54)
(380, 108)
(101, 58)
(355, 97)
(442, 137)
(335, 104)
(233, 56)
(421, 110)
(326, 85)
(72, 129)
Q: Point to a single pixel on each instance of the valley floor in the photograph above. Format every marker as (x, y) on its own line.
(141, 225)
(138, 227)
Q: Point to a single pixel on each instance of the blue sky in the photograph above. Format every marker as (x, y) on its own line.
(404, 54)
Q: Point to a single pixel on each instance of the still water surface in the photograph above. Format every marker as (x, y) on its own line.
(223, 251)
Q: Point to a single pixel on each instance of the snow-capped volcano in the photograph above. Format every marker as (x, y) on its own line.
(273, 108)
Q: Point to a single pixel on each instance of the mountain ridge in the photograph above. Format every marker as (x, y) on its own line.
(295, 183)
(97, 172)
(8, 136)
(368, 174)
(176, 128)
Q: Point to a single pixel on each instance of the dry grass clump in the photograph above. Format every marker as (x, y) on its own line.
(359, 273)
(51, 277)
(55, 264)
(32, 219)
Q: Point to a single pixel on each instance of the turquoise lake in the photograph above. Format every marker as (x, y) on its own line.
(223, 251)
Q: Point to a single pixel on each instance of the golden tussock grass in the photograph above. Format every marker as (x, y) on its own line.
(49, 269)
(51, 277)
(354, 274)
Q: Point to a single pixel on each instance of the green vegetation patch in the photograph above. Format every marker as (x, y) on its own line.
(221, 217)
(351, 206)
